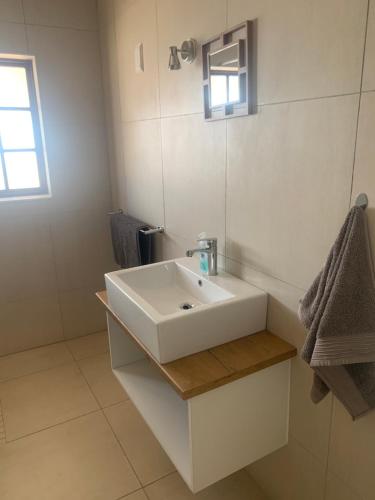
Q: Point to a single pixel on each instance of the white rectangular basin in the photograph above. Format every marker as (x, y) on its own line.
(175, 311)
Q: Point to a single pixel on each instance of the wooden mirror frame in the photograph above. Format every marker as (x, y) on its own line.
(245, 34)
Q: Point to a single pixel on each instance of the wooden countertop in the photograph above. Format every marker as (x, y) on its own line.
(206, 370)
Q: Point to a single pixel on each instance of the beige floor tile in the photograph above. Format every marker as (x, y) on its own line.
(238, 486)
(98, 373)
(138, 495)
(34, 360)
(78, 460)
(338, 490)
(141, 447)
(2, 428)
(90, 345)
(290, 473)
(44, 399)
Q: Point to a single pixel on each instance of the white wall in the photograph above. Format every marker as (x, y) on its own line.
(53, 253)
(274, 187)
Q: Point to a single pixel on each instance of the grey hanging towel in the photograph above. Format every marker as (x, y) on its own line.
(130, 246)
(339, 312)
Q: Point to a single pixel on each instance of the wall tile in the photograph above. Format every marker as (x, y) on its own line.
(69, 74)
(69, 13)
(143, 171)
(12, 38)
(290, 473)
(82, 249)
(11, 10)
(369, 67)
(77, 160)
(139, 91)
(284, 164)
(111, 88)
(364, 172)
(305, 49)
(352, 451)
(26, 251)
(283, 301)
(194, 176)
(309, 423)
(81, 312)
(181, 91)
(29, 323)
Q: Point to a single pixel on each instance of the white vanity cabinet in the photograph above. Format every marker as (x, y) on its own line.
(233, 422)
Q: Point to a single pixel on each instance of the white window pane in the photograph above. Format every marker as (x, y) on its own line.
(13, 87)
(234, 89)
(22, 170)
(2, 182)
(218, 90)
(16, 130)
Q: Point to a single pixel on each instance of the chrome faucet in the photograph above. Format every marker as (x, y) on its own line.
(210, 249)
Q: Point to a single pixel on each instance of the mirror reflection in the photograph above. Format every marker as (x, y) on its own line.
(224, 66)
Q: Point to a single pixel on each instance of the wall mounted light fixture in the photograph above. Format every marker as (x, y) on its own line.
(188, 53)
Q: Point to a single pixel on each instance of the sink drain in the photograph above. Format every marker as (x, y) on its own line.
(185, 306)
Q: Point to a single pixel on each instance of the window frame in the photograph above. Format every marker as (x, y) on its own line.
(43, 190)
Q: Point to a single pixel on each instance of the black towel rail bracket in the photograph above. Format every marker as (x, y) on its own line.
(151, 230)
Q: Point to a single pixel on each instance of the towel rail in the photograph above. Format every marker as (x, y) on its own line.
(151, 230)
(114, 212)
(158, 229)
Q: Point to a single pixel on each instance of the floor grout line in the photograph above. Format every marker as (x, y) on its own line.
(17, 377)
(122, 448)
(65, 363)
(117, 439)
(51, 343)
(9, 441)
(2, 426)
(111, 428)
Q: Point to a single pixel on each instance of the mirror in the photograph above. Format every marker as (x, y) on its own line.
(224, 65)
(229, 73)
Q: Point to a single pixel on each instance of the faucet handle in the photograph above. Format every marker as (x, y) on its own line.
(208, 240)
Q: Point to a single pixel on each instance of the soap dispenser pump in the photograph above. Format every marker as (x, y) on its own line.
(203, 256)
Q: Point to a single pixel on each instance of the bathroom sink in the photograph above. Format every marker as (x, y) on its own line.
(175, 311)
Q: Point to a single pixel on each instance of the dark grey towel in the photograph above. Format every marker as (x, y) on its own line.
(339, 312)
(130, 246)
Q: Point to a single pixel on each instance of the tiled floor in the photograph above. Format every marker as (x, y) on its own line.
(69, 432)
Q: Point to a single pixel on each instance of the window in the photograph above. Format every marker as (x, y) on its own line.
(22, 159)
